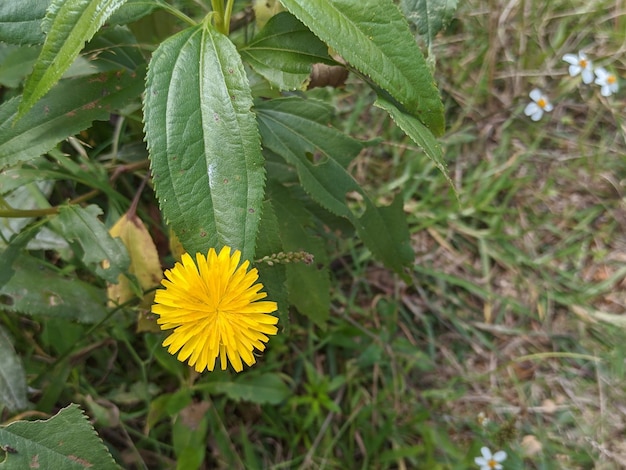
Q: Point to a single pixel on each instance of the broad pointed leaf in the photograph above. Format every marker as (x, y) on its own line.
(69, 108)
(418, 133)
(374, 37)
(204, 144)
(69, 24)
(20, 21)
(66, 441)
(321, 154)
(284, 52)
(429, 16)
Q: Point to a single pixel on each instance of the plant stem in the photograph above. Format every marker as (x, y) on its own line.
(177, 13)
(227, 15)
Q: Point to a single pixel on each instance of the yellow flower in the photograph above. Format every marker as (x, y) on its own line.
(213, 307)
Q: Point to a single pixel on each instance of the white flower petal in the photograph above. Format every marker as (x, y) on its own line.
(499, 456)
(587, 76)
(535, 95)
(531, 108)
(601, 73)
(571, 58)
(548, 107)
(574, 70)
(606, 90)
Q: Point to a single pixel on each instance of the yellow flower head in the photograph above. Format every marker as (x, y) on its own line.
(213, 307)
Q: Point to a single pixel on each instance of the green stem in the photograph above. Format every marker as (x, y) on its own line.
(227, 15)
(10, 212)
(222, 15)
(177, 13)
(218, 14)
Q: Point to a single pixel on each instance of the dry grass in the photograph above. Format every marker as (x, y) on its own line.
(519, 275)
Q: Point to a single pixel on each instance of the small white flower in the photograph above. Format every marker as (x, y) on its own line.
(490, 461)
(538, 106)
(579, 64)
(607, 81)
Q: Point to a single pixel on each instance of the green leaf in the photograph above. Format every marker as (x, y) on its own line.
(320, 155)
(12, 377)
(69, 24)
(20, 21)
(273, 277)
(133, 10)
(52, 294)
(374, 37)
(189, 435)
(308, 285)
(66, 441)
(260, 389)
(418, 134)
(429, 16)
(204, 144)
(91, 239)
(69, 108)
(14, 249)
(284, 52)
(15, 63)
(115, 48)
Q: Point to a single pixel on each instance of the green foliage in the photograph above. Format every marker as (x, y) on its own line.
(204, 144)
(376, 40)
(418, 134)
(66, 440)
(68, 25)
(67, 109)
(55, 296)
(292, 129)
(429, 16)
(284, 51)
(214, 117)
(12, 377)
(205, 137)
(21, 21)
(91, 241)
(261, 389)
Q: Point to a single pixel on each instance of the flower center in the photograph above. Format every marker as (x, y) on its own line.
(610, 79)
(583, 63)
(541, 102)
(492, 463)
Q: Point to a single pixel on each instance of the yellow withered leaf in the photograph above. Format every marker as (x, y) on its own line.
(144, 261)
(264, 10)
